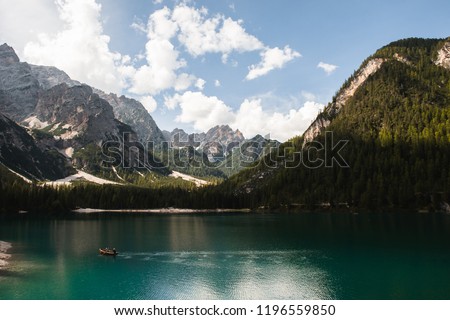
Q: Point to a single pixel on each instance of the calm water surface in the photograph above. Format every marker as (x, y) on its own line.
(230, 256)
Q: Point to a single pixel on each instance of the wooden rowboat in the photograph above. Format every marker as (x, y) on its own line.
(108, 252)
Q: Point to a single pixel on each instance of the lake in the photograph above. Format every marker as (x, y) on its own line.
(227, 256)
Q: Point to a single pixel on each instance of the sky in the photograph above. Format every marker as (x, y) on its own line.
(261, 66)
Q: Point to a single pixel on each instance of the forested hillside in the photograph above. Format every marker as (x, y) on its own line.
(397, 125)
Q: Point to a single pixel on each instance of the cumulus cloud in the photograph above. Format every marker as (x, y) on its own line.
(200, 34)
(252, 119)
(149, 103)
(200, 84)
(328, 68)
(19, 25)
(162, 59)
(201, 111)
(272, 58)
(204, 112)
(217, 83)
(81, 48)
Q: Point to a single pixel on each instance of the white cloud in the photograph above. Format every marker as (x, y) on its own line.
(160, 25)
(160, 71)
(272, 58)
(19, 23)
(149, 103)
(184, 81)
(217, 83)
(162, 59)
(328, 68)
(81, 48)
(171, 102)
(204, 112)
(157, 1)
(200, 84)
(252, 119)
(200, 34)
(308, 95)
(139, 26)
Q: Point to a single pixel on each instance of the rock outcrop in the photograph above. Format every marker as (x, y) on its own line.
(19, 89)
(49, 77)
(20, 153)
(443, 55)
(322, 121)
(133, 113)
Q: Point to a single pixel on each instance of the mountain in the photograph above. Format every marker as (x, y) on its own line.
(20, 153)
(179, 138)
(382, 143)
(218, 140)
(71, 118)
(126, 110)
(133, 113)
(19, 89)
(49, 77)
(220, 152)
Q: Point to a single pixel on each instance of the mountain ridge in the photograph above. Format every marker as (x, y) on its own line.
(399, 110)
(75, 119)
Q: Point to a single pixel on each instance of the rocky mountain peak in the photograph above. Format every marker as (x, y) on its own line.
(133, 113)
(19, 90)
(7, 55)
(50, 76)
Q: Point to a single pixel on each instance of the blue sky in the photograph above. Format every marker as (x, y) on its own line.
(251, 64)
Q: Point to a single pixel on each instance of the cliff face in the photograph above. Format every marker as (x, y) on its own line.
(20, 153)
(368, 69)
(322, 121)
(443, 55)
(65, 119)
(27, 93)
(76, 114)
(133, 113)
(49, 77)
(19, 90)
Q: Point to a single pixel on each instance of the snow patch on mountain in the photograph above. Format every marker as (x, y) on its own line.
(198, 182)
(80, 175)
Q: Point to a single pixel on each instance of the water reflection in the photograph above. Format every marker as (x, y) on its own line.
(233, 275)
(311, 256)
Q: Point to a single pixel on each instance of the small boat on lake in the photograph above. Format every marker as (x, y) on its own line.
(108, 252)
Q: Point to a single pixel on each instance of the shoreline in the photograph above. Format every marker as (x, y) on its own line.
(4, 256)
(161, 210)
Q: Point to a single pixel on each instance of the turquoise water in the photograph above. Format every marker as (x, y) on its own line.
(229, 256)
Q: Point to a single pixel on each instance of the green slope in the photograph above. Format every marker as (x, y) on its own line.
(397, 125)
